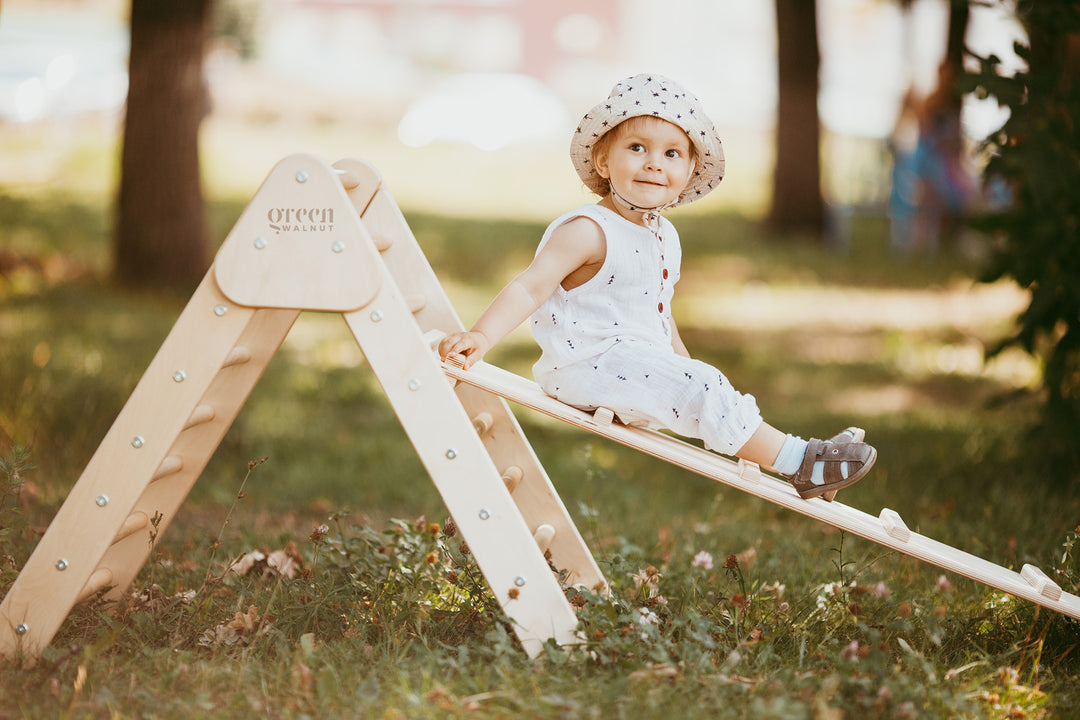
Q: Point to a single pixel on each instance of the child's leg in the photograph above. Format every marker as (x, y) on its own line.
(642, 382)
(764, 446)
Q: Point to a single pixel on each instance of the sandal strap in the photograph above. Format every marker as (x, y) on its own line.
(831, 455)
(810, 456)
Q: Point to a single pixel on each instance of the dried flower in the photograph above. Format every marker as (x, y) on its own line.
(319, 534)
(732, 562)
(433, 529)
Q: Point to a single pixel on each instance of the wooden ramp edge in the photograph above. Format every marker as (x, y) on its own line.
(887, 529)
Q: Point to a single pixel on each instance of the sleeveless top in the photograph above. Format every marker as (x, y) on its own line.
(628, 299)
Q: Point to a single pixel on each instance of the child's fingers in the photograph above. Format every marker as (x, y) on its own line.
(450, 345)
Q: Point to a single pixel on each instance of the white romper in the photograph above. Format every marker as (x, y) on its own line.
(607, 343)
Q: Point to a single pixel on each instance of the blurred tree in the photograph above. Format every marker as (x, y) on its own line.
(1035, 158)
(797, 204)
(161, 235)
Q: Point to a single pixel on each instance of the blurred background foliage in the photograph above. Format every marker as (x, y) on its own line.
(1035, 159)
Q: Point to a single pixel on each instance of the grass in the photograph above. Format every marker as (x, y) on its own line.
(388, 617)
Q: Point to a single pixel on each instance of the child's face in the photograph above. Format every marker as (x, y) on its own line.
(648, 161)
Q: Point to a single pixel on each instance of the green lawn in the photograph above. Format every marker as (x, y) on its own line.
(390, 619)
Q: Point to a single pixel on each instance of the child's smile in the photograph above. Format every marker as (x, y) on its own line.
(648, 163)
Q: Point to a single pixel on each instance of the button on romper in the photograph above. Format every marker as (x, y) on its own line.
(607, 343)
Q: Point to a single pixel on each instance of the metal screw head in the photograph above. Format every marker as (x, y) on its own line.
(338, 246)
(484, 514)
(260, 243)
(61, 564)
(414, 384)
(101, 500)
(520, 581)
(301, 177)
(179, 376)
(220, 310)
(137, 441)
(22, 629)
(451, 454)
(376, 316)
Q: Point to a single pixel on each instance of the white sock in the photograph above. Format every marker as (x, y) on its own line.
(789, 459)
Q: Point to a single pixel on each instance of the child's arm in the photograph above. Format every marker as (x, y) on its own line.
(571, 246)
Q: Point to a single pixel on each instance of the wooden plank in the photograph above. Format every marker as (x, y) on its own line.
(717, 467)
(463, 472)
(82, 537)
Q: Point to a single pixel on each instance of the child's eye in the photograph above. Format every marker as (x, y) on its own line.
(674, 154)
(637, 147)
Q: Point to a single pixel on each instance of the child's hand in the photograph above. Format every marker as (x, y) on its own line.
(472, 346)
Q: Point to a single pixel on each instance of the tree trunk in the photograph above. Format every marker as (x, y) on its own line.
(161, 236)
(797, 204)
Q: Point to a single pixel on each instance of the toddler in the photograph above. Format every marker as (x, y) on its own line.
(599, 291)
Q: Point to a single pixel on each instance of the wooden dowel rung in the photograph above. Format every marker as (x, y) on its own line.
(543, 537)
(511, 477)
(483, 422)
(603, 416)
(201, 415)
(133, 523)
(237, 356)
(383, 242)
(1037, 579)
(100, 579)
(171, 464)
(894, 525)
(749, 471)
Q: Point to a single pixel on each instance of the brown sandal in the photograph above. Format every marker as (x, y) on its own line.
(859, 457)
(851, 434)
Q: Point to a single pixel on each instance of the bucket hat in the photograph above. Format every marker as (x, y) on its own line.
(656, 96)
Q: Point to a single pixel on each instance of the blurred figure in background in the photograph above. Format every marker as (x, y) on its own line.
(932, 185)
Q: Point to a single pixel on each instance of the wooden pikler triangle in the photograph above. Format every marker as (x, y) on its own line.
(332, 239)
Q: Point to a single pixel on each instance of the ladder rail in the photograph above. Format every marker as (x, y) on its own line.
(534, 493)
